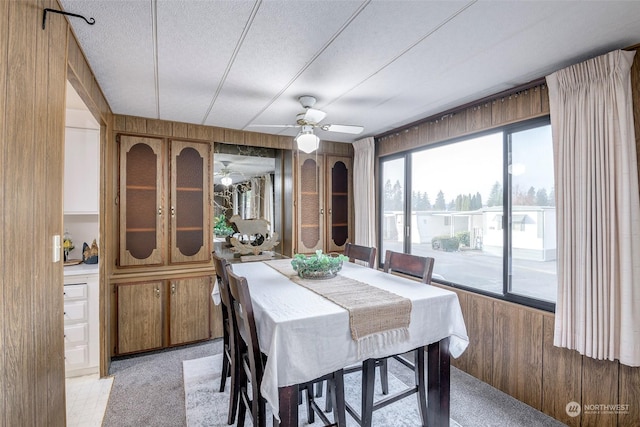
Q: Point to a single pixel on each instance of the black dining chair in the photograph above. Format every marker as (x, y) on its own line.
(229, 338)
(252, 362)
(411, 265)
(361, 253)
(420, 268)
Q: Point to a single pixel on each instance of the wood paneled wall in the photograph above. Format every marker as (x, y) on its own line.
(525, 104)
(511, 348)
(169, 129)
(32, 81)
(81, 77)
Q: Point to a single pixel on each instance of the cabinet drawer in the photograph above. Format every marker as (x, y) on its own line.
(75, 311)
(76, 334)
(76, 356)
(75, 291)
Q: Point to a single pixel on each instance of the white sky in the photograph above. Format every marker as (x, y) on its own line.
(475, 165)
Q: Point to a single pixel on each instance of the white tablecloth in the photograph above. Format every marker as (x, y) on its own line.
(305, 336)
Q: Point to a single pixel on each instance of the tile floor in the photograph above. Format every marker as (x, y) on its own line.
(87, 398)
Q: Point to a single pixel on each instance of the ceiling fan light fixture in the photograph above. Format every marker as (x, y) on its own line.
(307, 141)
(226, 181)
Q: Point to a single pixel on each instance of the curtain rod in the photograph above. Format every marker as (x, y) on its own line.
(463, 107)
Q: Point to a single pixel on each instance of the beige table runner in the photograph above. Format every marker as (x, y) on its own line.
(377, 318)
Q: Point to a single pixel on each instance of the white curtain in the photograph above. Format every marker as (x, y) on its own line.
(235, 202)
(256, 200)
(267, 202)
(364, 195)
(598, 209)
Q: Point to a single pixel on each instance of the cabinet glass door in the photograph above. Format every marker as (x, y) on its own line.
(338, 202)
(310, 207)
(190, 231)
(141, 211)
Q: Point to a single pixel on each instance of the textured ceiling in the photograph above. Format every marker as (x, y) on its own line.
(379, 64)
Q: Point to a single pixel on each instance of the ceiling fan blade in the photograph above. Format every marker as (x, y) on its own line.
(343, 128)
(311, 115)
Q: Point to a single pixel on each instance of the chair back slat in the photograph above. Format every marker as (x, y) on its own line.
(242, 310)
(361, 253)
(220, 265)
(411, 265)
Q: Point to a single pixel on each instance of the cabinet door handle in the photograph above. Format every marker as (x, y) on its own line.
(173, 289)
(160, 211)
(329, 211)
(321, 211)
(157, 292)
(173, 211)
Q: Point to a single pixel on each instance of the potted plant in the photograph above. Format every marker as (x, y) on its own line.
(221, 227)
(317, 266)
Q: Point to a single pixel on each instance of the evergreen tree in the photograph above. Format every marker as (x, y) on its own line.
(466, 202)
(541, 198)
(398, 200)
(388, 195)
(459, 202)
(495, 197)
(531, 197)
(440, 204)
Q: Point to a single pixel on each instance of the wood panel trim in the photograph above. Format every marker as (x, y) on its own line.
(521, 105)
(4, 43)
(152, 127)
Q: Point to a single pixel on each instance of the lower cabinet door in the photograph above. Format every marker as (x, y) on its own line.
(189, 309)
(140, 316)
(76, 357)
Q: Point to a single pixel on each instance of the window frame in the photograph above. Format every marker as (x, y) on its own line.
(507, 216)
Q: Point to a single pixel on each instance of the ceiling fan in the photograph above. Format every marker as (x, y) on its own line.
(225, 174)
(310, 119)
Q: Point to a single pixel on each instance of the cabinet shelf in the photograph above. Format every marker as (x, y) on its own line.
(190, 189)
(141, 187)
(189, 229)
(340, 225)
(141, 230)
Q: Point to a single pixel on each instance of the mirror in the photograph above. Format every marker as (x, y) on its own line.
(243, 185)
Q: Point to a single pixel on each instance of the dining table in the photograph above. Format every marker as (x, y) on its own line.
(306, 335)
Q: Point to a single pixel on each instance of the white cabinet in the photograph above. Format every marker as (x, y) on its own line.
(81, 321)
(81, 171)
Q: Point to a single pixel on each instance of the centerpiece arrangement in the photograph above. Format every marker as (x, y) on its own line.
(318, 266)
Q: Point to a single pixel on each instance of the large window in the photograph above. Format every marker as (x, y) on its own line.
(483, 207)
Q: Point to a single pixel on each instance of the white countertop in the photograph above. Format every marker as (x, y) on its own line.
(80, 270)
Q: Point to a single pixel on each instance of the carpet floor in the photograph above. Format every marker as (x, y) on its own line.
(148, 390)
(206, 406)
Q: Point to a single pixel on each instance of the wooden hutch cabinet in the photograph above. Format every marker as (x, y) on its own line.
(163, 278)
(147, 211)
(324, 202)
